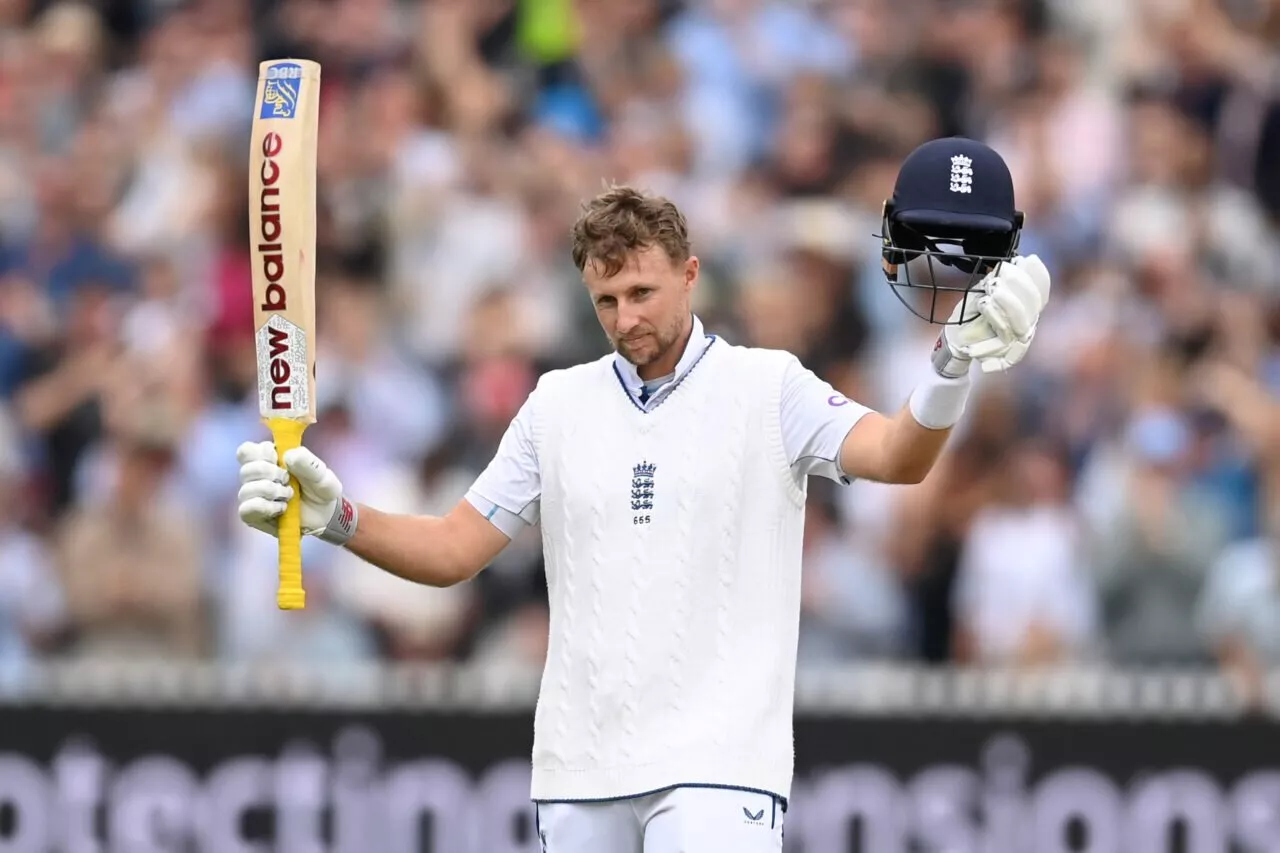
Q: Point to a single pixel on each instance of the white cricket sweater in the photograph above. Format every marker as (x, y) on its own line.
(673, 547)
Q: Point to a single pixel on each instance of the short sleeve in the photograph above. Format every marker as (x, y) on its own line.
(815, 420)
(508, 491)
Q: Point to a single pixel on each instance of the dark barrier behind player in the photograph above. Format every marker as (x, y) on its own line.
(149, 780)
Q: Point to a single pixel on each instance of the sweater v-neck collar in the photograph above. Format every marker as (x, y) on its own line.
(647, 400)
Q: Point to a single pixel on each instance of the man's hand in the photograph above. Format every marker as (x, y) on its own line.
(265, 491)
(996, 323)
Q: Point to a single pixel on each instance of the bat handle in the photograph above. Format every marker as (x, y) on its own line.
(287, 435)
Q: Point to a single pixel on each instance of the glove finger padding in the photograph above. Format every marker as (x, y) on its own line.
(1039, 273)
(256, 451)
(260, 508)
(262, 514)
(1013, 303)
(265, 489)
(313, 475)
(261, 469)
(1011, 355)
(990, 346)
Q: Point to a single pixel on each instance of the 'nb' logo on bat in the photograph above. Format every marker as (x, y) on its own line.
(281, 90)
(642, 491)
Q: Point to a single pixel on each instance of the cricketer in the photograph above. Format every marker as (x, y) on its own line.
(670, 480)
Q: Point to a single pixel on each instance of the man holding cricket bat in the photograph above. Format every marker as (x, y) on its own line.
(670, 480)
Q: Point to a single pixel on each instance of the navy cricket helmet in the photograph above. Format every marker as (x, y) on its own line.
(951, 221)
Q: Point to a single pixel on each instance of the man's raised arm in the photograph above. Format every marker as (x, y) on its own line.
(432, 550)
(426, 549)
(994, 328)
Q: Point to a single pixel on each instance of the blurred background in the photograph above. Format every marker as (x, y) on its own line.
(1113, 500)
(1113, 503)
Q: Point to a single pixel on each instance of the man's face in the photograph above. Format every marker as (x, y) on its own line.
(643, 308)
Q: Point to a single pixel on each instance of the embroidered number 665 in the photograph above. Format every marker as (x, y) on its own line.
(640, 519)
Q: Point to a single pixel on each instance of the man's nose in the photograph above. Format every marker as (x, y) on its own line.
(628, 319)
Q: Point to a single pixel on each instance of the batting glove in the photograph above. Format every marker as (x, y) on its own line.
(995, 325)
(265, 490)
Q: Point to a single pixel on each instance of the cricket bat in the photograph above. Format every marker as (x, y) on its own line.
(282, 235)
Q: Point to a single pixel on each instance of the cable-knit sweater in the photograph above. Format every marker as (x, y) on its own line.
(673, 543)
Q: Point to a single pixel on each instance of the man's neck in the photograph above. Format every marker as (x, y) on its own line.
(667, 364)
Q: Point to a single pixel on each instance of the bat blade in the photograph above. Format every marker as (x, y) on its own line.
(282, 241)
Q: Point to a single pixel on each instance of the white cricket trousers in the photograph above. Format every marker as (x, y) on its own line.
(679, 820)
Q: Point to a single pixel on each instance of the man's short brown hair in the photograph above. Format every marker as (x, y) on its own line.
(623, 220)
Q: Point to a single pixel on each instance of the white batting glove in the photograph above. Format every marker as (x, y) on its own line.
(999, 320)
(265, 490)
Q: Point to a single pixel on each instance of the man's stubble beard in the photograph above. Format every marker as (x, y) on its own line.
(665, 341)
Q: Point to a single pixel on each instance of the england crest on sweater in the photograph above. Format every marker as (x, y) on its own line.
(642, 492)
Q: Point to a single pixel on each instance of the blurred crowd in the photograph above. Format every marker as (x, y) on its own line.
(1114, 499)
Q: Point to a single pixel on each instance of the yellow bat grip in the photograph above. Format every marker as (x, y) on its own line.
(287, 435)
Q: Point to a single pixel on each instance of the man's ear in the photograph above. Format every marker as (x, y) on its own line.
(691, 268)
